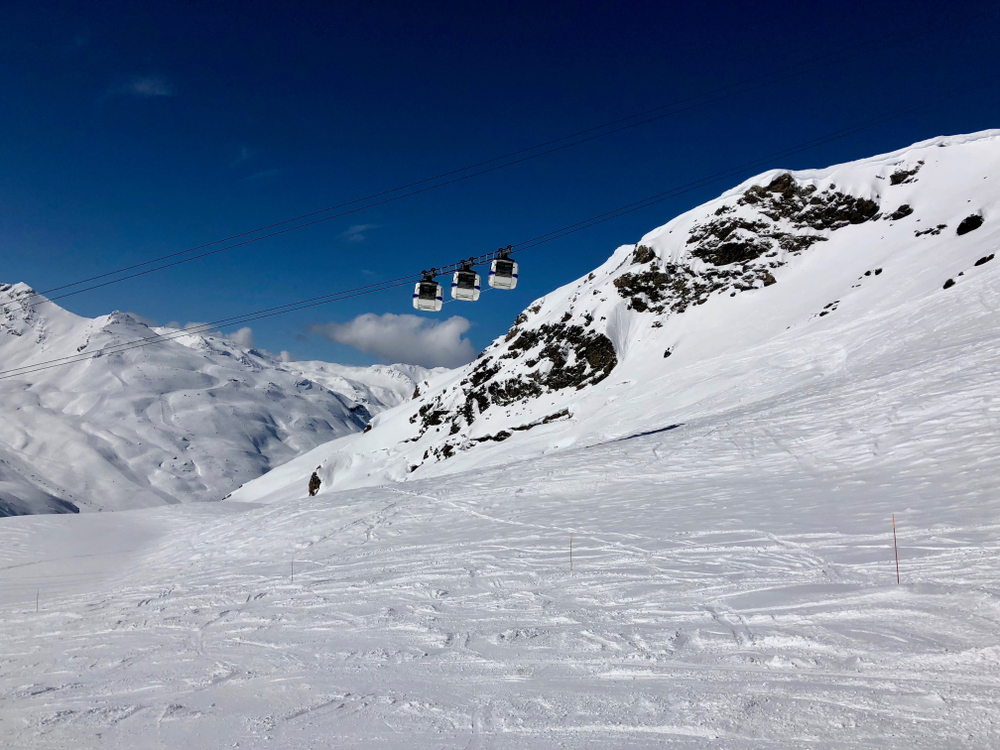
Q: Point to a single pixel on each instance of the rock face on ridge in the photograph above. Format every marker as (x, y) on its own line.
(736, 248)
(753, 281)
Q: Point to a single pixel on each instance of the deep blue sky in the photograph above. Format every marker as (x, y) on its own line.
(131, 130)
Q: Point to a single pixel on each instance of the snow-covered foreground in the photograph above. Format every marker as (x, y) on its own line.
(733, 585)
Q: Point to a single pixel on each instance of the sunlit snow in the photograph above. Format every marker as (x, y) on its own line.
(733, 581)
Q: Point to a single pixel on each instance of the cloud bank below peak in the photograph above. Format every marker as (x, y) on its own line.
(406, 339)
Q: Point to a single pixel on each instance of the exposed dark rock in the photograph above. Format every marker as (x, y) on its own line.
(314, 484)
(949, 283)
(643, 254)
(667, 353)
(576, 357)
(804, 206)
(430, 416)
(969, 224)
(731, 239)
(900, 213)
(497, 438)
(903, 176)
(931, 231)
(984, 259)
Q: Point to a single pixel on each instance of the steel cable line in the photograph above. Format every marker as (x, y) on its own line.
(207, 327)
(718, 176)
(534, 242)
(732, 89)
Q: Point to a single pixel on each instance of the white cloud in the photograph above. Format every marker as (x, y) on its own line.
(286, 356)
(243, 337)
(356, 232)
(408, 339)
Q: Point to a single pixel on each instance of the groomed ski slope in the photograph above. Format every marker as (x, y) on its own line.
(733, 581)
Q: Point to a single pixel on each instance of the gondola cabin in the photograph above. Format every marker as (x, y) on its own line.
(465, 285)
(428, 296)
(503, 273)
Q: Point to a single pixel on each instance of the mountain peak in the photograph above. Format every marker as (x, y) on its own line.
(185, 419)
(763, 272)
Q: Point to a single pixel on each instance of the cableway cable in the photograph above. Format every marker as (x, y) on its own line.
(534, 242)
(649, 115)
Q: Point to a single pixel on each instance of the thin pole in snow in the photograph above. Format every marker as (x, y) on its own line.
(571, 551)
(895, 546)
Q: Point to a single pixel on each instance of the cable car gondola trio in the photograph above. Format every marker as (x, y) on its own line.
(465, 283)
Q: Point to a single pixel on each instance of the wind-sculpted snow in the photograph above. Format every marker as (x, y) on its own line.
(786, 262)
(189, 419)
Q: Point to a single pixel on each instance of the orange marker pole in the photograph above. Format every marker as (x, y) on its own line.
(895, 546)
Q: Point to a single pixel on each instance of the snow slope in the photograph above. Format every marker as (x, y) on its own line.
(831, 275)
(729, 508)
(190, 419)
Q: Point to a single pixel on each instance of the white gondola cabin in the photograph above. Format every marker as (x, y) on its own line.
(428, 294)
(503, 272)
(465, 284)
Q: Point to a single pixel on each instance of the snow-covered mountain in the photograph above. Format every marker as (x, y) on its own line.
(579, 542)
(786, 278)
(185, 420)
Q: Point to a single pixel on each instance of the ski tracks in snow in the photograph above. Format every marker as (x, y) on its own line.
(447, 615)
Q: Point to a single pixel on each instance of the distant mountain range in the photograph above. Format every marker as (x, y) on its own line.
(185, 420)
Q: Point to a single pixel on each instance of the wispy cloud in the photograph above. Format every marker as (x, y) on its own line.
(145, 87)
(243, 337)
(357, 232)
(408, 339)
(150, 86)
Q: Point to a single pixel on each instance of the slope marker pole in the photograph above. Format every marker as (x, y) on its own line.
(895, 546)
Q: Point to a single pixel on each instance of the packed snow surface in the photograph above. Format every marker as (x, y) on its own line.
(188, 419)
(696, 551)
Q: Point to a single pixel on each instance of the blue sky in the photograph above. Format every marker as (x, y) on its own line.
(133, 130)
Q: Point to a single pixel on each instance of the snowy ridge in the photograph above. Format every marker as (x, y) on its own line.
(185, 420)
(788, 266)
(732, 581)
